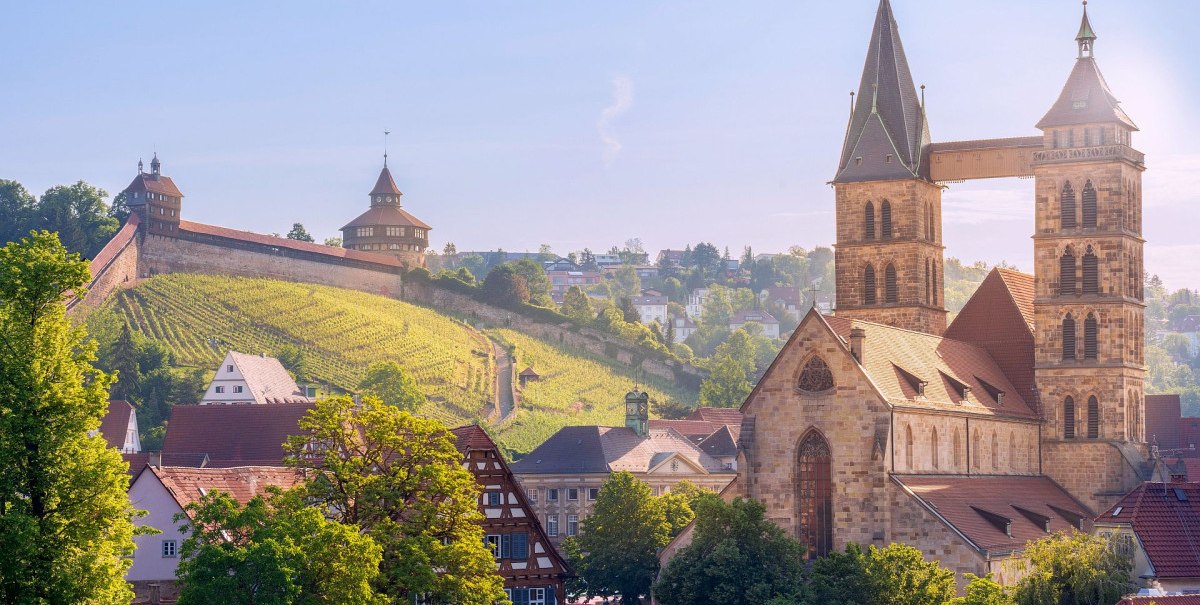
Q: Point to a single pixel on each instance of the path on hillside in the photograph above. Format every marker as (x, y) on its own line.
(504, 384)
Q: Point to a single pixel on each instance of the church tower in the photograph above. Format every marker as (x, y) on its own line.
(888, 257)
(1088, 273)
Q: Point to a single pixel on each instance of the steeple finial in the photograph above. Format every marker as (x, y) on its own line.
(155, 165)
(140, 168)
(385, 136)
(1086, 38)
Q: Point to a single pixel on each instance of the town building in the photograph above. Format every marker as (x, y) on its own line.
(387, 228)
(605, 261)
(672, 258)
(769, 324)
(651, 307)
(252, 379)
(1158, 526)
(684, 327)
(563, 274)
(119, 427)
(232, 435)
(562, 477)
(533, 570)
(1025, 415)
(787, 298)
(695, 303)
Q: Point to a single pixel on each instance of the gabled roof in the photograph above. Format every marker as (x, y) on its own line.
(234, 435)
(721, 443)
(528, 373)
(1163, 419)
(115, 424)
(746, 316)
(384, 184)
(1166, 519)
(730, 416)
(978, 506)
(387, 216)
(266, 379)
(603, 449)
(187, 484)
(146, 181)
(999, 319)
(888, 119)
(472, 437)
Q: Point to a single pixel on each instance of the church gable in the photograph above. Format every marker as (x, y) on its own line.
(999, 319)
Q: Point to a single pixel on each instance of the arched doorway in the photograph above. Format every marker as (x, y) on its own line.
(814, 495)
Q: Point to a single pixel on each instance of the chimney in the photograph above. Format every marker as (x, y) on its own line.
(156, 459)
(857, 336)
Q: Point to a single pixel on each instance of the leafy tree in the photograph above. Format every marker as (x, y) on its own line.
(465, 276)
(546, 253)
(120, 208)
(504, 287)
(299, 233)
(79, 215)
(535, 280)
(628, 312)
(294, 359)
(726, 385)
(449, 249)
(1075, 568)
(16, 211)
(124, 361)
(392, 385)
(577, 305)
(273, 550)
(983, 590)
(400, 479)
(707, 259)
(66, 525)
(899, 575)
(333, 242)
(620, 540)
(625, 281)
(841, 578)
(670, 409)
(730, 540)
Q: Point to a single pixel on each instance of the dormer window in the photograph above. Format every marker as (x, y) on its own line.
(958, 387)
(916, 384)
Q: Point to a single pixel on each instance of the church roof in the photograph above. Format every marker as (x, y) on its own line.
(888, 132)
(1085, 98)
(387, 216)
(384, 184)
(999, 319)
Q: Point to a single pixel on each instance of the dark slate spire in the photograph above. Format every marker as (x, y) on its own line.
(888, 132)
(1085, 98)
(1086, 38)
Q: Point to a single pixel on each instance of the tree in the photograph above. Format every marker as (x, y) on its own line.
(626, 282)
(273, 550)
(1075, 568)
(504, 287)
(400, 479)
(628, 312)
(333, 242)
(66, 525)
(707, 259)
(16, 211)
(841, 578)
(79, 215)
(546, 253)
(392, 385)
(449, 249)
(983, 590)
(577, 305)
(726, 385)
(535, 280)
(294, 360)
(120, 209)
(729, 540)
(894, 575)
(299, 233)
(620, 540)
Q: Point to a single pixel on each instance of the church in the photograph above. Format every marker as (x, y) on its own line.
(1023, 416)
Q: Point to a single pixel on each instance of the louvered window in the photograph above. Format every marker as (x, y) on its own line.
(869, 285)
(1091, 273)
(1089, 205)
(1069, 418)
(1066, 273)
(869, 221)
(1067, 206)
(885, 215)
(1093, 418)
(1068, 336)
(1089, 337)
(889, 280)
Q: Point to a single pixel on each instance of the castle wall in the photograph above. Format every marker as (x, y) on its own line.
(115, 266)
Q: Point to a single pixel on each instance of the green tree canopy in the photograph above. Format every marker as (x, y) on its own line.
(66, 525)
(727, 385)
(16, 211)
(895, 575)
(1075, 568)
(392, 385)
(400, 479)
(274, 550)
(504, 287)
(299, 233)
(577, 305)
(535, 280)
(79, 215)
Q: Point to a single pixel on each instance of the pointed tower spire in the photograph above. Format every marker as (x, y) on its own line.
(1086, 38)
(887, 136)
(1085, 98)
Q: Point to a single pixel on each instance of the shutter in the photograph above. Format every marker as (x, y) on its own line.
(506, 546)
(1093, 418)
(1068, 335)
(892, 291)
(520, 546)
(1067, 207)
(885, 212)
(1091, 273)
(1089, 337)
(869, 222)
(1069, 418)
(869, 285)
(1089, 205)
(1066, 274)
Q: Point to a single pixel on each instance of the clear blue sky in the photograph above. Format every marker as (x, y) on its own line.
(573, 124)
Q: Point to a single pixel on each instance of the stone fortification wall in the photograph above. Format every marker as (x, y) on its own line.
(115, 266)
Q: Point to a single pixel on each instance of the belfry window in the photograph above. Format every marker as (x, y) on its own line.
(1089, 205)
(1093, 421)
(815, 377)
(1089, 337)
(869, 285)
(1066, 273)
(885, 216)
(1069, 418)
(1068, 336)
(1067, 206)
(1091, 272)
(814, 496)
(869, 222)
(891, 292)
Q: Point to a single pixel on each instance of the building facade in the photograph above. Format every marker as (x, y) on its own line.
(387, 228)
(252, 379)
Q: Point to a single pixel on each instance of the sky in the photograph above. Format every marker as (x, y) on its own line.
(574, 124)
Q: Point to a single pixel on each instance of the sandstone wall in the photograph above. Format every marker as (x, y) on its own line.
(115, 266)
(994, 447)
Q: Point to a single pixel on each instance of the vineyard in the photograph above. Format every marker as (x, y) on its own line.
(200, 317)
(575, 388)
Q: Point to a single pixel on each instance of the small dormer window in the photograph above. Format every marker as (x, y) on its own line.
(888, 159)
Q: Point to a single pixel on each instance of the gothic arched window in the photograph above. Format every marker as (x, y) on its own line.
(1093, 418)
(995, 451)
(956, 463)
(885, 217)
(1066, 272)
(1068, 336)
(814, 487)
(1069, 418)
(1089, 205)
(928, 286)
(933, 448)
(1067, 206)
(908, 448)
(815, 377)
(1091, 272)
(869, 290)
(869, 221)
(1089, 337)
(891, 292)
(976, 444)
(1012, 450)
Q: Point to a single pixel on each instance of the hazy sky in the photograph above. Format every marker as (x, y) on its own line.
(573, 123)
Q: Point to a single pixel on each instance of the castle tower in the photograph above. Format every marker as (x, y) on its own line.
(1088, 273)
(888, 256)
(155, 200)
(386, 227)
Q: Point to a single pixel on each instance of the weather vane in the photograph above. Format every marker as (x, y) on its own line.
(385, 136)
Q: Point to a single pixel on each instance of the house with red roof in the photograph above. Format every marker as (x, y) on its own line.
(1158, 526)
(119, 427)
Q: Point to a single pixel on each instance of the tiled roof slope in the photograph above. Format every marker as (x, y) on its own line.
(283, 242)
(1085, 99)
(603, 449)
(115, 423)
(695, 430)
(148, 181)
(187, 484)
(891, 352)
(1163, 419)
(888, 120)
(394, 216)
(959, 500)
(720, 443)
(385, 184)
(472, 437)
(1167, 526)
(999, 319)
(233, 435)
(730, 416)
(573, 449)
(267, 379)
(1178, 599)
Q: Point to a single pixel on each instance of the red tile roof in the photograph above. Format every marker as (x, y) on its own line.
(384, 184)
(291, 244)
(147, 181)
(115, 423)
(1166, 519)
(186, 485)
(730, 416)
(975, 505)
(114, 245)
(233, 435)
(981, 144)
(1163, 418)
(1179, 599)
(472, 437)
(394, 216)
(692, 429)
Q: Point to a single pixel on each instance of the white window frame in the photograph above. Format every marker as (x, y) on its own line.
(593, 493)
(237, 388)
(170, 549)
(552, 525)
(532, 495)
(572, 494)
(572, 525)
(493, 543)
(537, 596)
(219, 389)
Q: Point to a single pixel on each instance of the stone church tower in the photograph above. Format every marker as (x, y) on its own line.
(1088, 277)
(888, 256)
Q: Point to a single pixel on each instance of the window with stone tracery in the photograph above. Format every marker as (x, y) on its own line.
(814, 487)
(815, 377)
